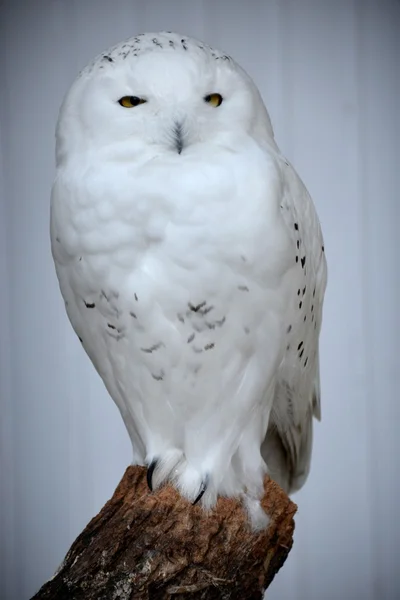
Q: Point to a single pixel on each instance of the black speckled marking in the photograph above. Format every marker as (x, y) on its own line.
(303, 261)
(289, 329)
(152, 348)
(197, 307)
(209, 346)
(159, 377)
(89, 304)
(116, 336)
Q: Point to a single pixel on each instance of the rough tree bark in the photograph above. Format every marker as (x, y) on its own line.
(153, 546)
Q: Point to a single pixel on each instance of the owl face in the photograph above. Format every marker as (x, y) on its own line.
(164, 97)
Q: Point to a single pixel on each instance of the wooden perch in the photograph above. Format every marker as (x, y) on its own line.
(153, 546)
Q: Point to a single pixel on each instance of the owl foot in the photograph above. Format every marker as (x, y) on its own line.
(171, 465)
(162, 467)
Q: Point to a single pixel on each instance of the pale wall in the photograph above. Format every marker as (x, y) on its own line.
(329, 73)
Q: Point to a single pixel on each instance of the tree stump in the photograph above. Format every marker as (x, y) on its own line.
(155, 545)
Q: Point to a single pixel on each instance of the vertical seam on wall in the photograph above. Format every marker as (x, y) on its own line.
(7, 459)
(360, 11)
(284, 17)
(7, 450)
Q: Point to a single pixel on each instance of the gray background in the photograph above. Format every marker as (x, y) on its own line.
(329, 73)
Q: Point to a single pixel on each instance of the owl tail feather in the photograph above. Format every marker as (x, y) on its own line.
(288, 454)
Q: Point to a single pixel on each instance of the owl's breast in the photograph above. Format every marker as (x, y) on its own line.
(172, 275)
(202, 230)
(208, 197)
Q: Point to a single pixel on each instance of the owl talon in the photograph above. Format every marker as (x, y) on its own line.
(203, 487)
(150, 472)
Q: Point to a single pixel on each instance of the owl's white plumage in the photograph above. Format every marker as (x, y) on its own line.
(190, 259)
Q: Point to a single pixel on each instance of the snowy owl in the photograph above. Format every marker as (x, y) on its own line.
(191, 262)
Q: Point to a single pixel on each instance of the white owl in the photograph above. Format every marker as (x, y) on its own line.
(191, 262)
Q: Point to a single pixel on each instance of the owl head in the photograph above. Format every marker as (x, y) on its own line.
(160, 93)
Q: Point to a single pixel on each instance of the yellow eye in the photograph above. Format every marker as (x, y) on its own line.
(214, 100)
(131, 101)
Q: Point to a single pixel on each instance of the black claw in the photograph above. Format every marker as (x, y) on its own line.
(203, 487)
(150, 472)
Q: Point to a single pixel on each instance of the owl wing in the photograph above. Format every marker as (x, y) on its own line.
(288, 443)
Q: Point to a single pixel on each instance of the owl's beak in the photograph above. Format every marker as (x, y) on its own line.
(178, 136)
